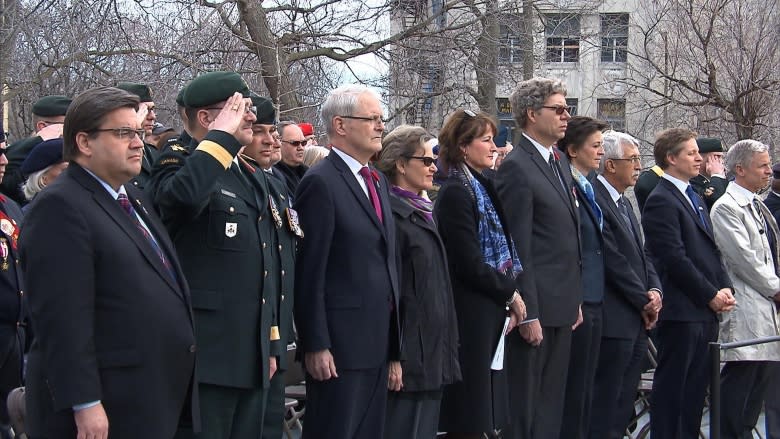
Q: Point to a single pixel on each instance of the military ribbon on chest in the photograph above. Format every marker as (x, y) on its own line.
(4, 254)
(275, 212)
(9, 228)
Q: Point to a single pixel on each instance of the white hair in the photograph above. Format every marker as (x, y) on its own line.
(34, 183)
(613, 146)
(342, 102)
(741, 153)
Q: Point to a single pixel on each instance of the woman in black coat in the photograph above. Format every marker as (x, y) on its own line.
(483, 269)
(429, 328)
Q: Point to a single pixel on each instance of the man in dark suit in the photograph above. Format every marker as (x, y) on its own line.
(346, 284)
(12, 306)
(114, 348)
(540, 208)
(632, 297)
(695, 284)
(221, 219)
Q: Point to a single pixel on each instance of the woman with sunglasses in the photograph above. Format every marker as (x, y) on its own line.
(483, 269)
(429, 327)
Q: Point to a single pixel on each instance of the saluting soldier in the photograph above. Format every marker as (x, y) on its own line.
(48, 115)
(218, 215)
(711, 182)
(146, 119)
(259, 157)
(12, 318)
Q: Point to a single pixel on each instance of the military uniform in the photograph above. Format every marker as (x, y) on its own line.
(710, 189)
(218, 214)
(646, 183)
(12, 305)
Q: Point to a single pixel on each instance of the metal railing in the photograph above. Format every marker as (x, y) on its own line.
(715, 349)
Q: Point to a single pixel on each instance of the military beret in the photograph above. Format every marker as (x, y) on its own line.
(54, 105)
(266, 113)
(501, 137)
(180, 96)
(143, 91)
(709, 144)
(306, 128)
(776, 171)
(44, 154)
(212, 87)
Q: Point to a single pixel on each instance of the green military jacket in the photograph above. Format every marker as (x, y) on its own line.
(218, 216)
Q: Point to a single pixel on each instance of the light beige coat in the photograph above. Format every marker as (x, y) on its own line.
(740, 236)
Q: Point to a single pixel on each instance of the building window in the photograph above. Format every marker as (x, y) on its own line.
(614, 38)
(509, 49)
(562, 33)
(572, 103)
(613, 111)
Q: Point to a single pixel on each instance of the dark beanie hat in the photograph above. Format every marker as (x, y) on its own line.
(43, 155)
(143, 91)
(212, 87)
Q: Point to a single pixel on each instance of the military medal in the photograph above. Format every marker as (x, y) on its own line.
(4, 254)
(8, 227)
(275, 211)
(292, 222)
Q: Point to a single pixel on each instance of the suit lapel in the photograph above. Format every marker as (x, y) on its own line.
(687, 206)
(545, 169)
(128, 226)
(584, 202)
(357, 191)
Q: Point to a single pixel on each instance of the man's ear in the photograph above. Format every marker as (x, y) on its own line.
(82, 144)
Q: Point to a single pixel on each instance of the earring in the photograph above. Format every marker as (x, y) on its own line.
(403, 172)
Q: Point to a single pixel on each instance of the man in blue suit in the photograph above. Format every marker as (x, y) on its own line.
(695, 284)
(346, 284)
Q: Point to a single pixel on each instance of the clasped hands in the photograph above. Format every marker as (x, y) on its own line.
(723, 301)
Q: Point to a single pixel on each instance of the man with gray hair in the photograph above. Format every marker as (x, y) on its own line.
(540, 209)
(632, 296)
(747, 234)
(346, 284)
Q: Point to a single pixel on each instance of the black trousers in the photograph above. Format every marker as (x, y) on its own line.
(618, 373)
(274, 408)
(743, 385)
(351, 406)
(10, 370)
(681, 378)
(537, 383)
(772, 403)
(584, 356)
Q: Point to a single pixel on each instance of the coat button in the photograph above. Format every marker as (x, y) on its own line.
(282, 272)
(265, 273)
(263, 300)
(21, 293)
(263, 245)
(282, 297)
(280, 247)
(232, 209)
(259, 218)
(193, 348)
(135, 183)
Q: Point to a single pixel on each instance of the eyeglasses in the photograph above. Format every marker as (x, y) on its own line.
(427, 161)
(122, 133)
(558, 109)
(150, 108)
(252, 109)
(296, 143)
(377, 119)
(633, 160)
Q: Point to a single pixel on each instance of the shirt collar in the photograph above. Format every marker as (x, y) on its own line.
(114, 194)
(737, 189)
(679, 184)
(613, 193)
(545, 151)
(353, 165)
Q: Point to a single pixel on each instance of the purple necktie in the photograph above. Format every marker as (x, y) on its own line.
(128, 208)
(366, 174)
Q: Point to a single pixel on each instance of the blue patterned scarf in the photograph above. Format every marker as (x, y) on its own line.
(496, 251)
(589, 194)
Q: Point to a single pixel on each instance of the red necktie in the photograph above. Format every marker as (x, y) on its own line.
(366, 174)
(128, 208)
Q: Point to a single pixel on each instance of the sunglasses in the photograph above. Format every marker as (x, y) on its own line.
(558, 109)
(296, 143)
(427, 161)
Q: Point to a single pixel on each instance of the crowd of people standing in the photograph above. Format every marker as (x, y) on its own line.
(428, 287)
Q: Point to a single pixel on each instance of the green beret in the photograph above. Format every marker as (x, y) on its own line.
(180, 96)
(51, 106)
(143, 91)
(266, 113)
(212, 87)
(709, 144)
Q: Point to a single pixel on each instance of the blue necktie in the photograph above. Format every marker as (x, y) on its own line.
(591, 196)
(694, 197)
